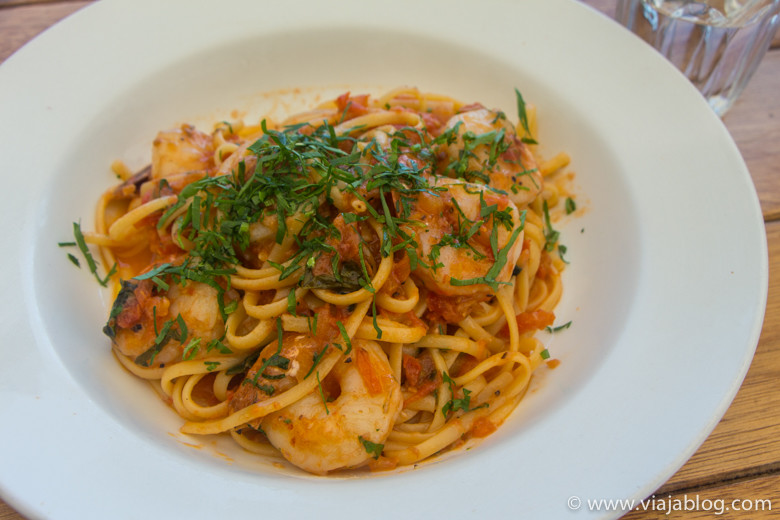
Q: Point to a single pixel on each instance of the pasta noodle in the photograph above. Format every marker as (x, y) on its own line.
(360, 285)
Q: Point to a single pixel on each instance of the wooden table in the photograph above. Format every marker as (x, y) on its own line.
(741, 458)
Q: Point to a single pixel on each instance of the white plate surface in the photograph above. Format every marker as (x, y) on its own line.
(666, 288)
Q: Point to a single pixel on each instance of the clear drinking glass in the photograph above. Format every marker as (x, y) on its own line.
(717, 44)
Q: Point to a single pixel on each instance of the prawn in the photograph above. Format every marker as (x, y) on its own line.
(456, 238)
(508, 166)
(180, 151)
(179, 156)
(153, 327)
(346, 420)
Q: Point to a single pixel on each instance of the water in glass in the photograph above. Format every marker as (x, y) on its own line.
(717, 44)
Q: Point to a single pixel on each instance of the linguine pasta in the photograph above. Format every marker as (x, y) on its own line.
(359, 285)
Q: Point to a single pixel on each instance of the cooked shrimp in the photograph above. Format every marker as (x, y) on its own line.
(285, 363)
(141, 313)
(345, 420)
(512, 170)
(442, 222)
(182, 150)
(296, 352)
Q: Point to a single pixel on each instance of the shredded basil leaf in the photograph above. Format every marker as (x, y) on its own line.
(372, 448)
(523, 118)
(559, 328)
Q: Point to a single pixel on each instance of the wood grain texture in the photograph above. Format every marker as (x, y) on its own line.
(8, 513)
(754, 123)
(755, 498)
(18, 25)
(17, 3)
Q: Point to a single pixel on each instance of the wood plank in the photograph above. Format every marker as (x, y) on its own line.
(754, 123)
(19, 3)
(18, 25)
(755, 498)
(8, 513)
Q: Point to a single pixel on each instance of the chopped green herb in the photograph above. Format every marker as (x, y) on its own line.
(550, 235)
(191, 350)
(245, 365)
(126, 291)
(372, 448)
(276, 360)
(558, 328)
(490, 278)
(322, 394)
(219, 346)
(291, 303)
(373, 318)
(317, 358)
(344, 335)
(562, 251)
(231, 307)
(454, 404)
(349, 279)
(160, 283)
(82, 245)
(523, 117)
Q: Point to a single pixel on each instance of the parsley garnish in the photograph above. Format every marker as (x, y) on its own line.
(127, 290)
(191, 350)
(276, 360)
(344, 335)
(316, 360)
(550, 235)
(523, 118)
(372, 448)
(291, 302)
(82, 245)
(559, 328)
(490, 278)
(570, 206)
(173, 329)
(453, 404)
(245, 365)
(322, 394)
